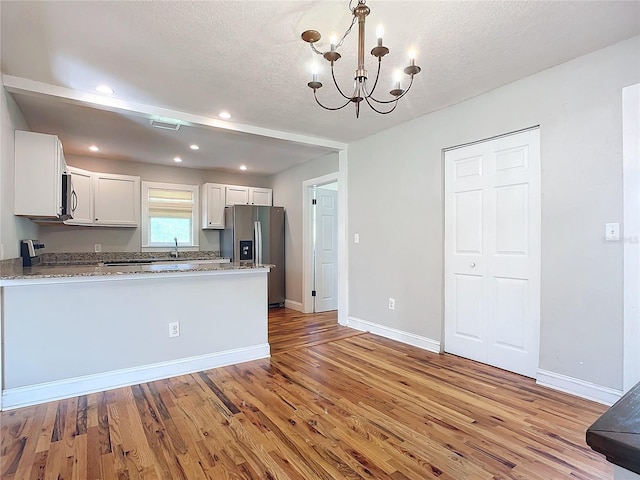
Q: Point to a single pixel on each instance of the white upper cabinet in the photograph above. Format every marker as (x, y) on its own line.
(117, 200)
(212, 196)
(82, 197)
(39, 165)
(237, 195)
(260, 196)
(104, 199)
(240, 195)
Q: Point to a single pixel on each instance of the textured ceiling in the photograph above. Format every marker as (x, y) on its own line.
(247, 57)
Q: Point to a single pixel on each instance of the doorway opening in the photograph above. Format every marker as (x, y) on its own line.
(320, 244)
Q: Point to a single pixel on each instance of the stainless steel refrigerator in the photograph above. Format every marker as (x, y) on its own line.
(255, 234)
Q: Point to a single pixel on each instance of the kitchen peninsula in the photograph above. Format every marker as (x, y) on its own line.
(75, 329)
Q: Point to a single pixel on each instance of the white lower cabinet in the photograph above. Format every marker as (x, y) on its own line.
(212, 196)
(104, 199)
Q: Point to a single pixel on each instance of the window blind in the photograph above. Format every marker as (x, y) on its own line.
(166, 203)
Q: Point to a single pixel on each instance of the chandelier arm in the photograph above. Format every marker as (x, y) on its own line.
(393, 100)
(336, 83)
(315, 50)
(380, 111)
(329, 108)
(375, 84)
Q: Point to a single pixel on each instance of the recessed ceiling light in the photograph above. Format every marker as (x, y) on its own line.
(105, 89)
(94, 148)
(243, 167)
(225, 115)
(177, 159)
(194, 147)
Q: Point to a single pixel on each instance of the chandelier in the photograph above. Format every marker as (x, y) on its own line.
(361, 89)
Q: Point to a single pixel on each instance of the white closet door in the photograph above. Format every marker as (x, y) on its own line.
(492, 252)
(326, 257)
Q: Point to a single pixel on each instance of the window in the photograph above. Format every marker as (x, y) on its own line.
(169, 212)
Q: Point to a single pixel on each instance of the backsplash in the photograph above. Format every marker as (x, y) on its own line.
(91, 257)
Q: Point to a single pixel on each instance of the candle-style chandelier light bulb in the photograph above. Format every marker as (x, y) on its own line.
(361, 90)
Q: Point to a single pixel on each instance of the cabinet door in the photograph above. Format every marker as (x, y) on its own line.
(117, 200)
(213, 203)
(82, 198)
(237, 195)
(38, 174)
(260, 196)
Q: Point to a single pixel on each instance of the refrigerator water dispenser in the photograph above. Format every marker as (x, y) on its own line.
(246, 250)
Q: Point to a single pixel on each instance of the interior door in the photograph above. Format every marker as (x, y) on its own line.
(492, 252)
(326, 250)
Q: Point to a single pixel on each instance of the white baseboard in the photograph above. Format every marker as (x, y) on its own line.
(73, 387)
(577, 387)
(297, 306)
(394, 334)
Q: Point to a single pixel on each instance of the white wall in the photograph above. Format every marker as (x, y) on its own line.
(396, 205)
(12, 228)
(67, 238)
(287, 193)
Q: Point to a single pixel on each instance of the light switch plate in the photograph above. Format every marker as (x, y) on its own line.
(612, 232)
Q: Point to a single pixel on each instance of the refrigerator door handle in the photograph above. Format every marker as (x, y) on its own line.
(257, 233)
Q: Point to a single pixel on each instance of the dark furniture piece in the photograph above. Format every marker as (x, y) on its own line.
(616, 434)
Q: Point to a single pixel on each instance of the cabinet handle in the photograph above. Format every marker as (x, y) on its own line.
(96, 219)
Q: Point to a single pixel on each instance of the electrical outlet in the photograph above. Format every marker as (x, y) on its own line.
(612, 232)
(1, 251)
(174, 329)
(392, 303)
(356, 238)
(97, 248)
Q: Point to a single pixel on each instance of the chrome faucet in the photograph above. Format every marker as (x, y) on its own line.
(174, 252)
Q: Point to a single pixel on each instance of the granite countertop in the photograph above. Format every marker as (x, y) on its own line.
(15, 271)
(616, 434)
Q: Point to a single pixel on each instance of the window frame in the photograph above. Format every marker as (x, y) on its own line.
(145, 218)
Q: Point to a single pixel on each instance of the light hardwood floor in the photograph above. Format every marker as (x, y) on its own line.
(330, 403)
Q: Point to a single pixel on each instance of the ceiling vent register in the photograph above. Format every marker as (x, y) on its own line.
(164, 125)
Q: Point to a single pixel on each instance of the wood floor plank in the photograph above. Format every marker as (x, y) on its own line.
(330, 403)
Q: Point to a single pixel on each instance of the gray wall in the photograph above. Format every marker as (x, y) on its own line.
(287, 193)
(396, 205)
(12, 228)
(67, 238)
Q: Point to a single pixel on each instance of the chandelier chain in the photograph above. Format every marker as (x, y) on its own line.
(339, 44)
